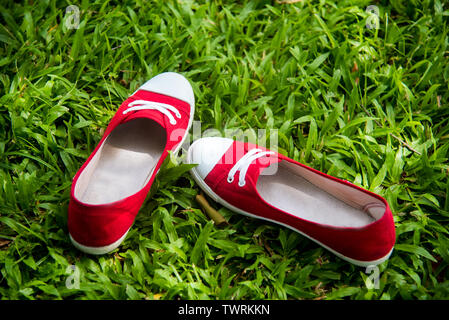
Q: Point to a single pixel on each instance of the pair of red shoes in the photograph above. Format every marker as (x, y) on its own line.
(110, 187)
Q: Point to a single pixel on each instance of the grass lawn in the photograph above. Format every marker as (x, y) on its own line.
(363, 104)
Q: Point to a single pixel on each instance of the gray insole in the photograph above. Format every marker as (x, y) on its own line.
(292, 193)
(127, 159)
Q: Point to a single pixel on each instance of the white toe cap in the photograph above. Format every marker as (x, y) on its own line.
(206, 152)
(171, 84)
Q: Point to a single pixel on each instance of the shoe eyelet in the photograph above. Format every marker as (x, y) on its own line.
(242, 184)
(178, 115)
(173, 122)
(230, 179)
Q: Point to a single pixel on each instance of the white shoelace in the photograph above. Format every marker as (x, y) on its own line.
(151, 105)
(243, 164)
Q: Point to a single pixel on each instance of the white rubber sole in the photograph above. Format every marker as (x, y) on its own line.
(116, 244)
(224, 203)
(98, 250)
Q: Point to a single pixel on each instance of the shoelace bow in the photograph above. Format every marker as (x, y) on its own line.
(164, 108)
(243, 164)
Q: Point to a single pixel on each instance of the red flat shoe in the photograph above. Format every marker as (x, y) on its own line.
(351, 222)
(110, 187)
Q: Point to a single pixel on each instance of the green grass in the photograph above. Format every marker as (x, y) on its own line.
(365, 105)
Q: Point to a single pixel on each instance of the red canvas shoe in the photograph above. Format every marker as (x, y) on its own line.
(353, 223)
(110, 187)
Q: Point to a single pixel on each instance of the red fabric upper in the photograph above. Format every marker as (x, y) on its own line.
(101, 225)
(367, 243)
